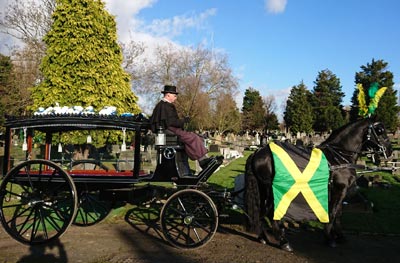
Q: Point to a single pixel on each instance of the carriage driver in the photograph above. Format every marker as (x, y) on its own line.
(165, 115)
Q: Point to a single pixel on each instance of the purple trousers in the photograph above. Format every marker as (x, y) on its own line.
(194, 144)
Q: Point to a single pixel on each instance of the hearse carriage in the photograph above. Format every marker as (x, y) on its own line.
(60, 170)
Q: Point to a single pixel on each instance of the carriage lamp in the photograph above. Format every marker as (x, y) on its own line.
(24, 145)
(160, 138)
(123, 146)
(59, 143)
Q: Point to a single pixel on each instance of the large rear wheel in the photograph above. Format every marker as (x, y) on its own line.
(37, 202)
(189, 219)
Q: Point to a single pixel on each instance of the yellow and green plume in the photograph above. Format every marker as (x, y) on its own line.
(374, 93)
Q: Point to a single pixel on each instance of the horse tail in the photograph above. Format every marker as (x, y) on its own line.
(252, 198)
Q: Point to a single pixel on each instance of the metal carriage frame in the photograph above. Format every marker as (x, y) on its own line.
(41, 197)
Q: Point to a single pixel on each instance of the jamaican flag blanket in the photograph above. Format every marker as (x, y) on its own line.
(300, 185)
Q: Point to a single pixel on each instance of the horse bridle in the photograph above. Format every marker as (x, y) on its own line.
(344, 158)
(375, 144)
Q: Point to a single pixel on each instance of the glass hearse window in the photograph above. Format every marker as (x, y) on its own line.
(111, 150)
(18, 147)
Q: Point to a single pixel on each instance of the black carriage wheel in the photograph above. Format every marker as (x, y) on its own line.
(37, 202)
(189, 219)
(91, 208)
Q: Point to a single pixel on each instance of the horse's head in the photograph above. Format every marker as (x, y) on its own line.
(364, 135)
(377, 142)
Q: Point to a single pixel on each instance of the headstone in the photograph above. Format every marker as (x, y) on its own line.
(214, 148)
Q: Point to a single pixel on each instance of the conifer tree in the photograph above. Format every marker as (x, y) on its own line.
(83, 60)
(326, 101)
(5, 85)
(253, 110)
(298, 114)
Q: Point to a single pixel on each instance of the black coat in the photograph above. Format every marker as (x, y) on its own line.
(165, 115)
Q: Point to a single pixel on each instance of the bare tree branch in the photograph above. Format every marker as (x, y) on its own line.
(27, 20)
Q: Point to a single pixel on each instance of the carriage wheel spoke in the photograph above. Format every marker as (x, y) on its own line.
(23, 225)
(9, 193)
(182, 205)
(40, 226)
(197, 234)
(15, 216)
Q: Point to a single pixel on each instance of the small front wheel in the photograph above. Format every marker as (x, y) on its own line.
(37, 202)
(189, 219)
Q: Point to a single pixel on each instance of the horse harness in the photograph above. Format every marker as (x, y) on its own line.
(344, 158)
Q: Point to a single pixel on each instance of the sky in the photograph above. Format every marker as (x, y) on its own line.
(272, 45)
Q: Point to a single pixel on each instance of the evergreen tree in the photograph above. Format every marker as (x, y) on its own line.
(83, 60)
(387, 111)
(271, 122)
(5, 84)
(253, 110)
(298, 114)
(326, 100)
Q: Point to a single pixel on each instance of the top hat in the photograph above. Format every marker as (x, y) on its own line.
(169, 89)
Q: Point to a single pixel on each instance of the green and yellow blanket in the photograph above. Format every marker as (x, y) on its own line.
(300, 185)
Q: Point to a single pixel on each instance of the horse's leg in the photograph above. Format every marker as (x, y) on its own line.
(337, 227)
(338, 194)
(274, 235)
(278, 231)
(340, 184)
(337, 223)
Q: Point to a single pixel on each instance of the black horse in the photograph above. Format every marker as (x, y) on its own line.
(341, 149)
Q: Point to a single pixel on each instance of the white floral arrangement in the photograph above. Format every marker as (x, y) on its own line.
(78, 110)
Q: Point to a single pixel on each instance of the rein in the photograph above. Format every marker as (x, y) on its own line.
(225, 142)
(343, 159)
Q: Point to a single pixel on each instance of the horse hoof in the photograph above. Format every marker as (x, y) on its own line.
(286, 247)
(262, 241)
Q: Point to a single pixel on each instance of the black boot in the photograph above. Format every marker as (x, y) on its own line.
(204, 163)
